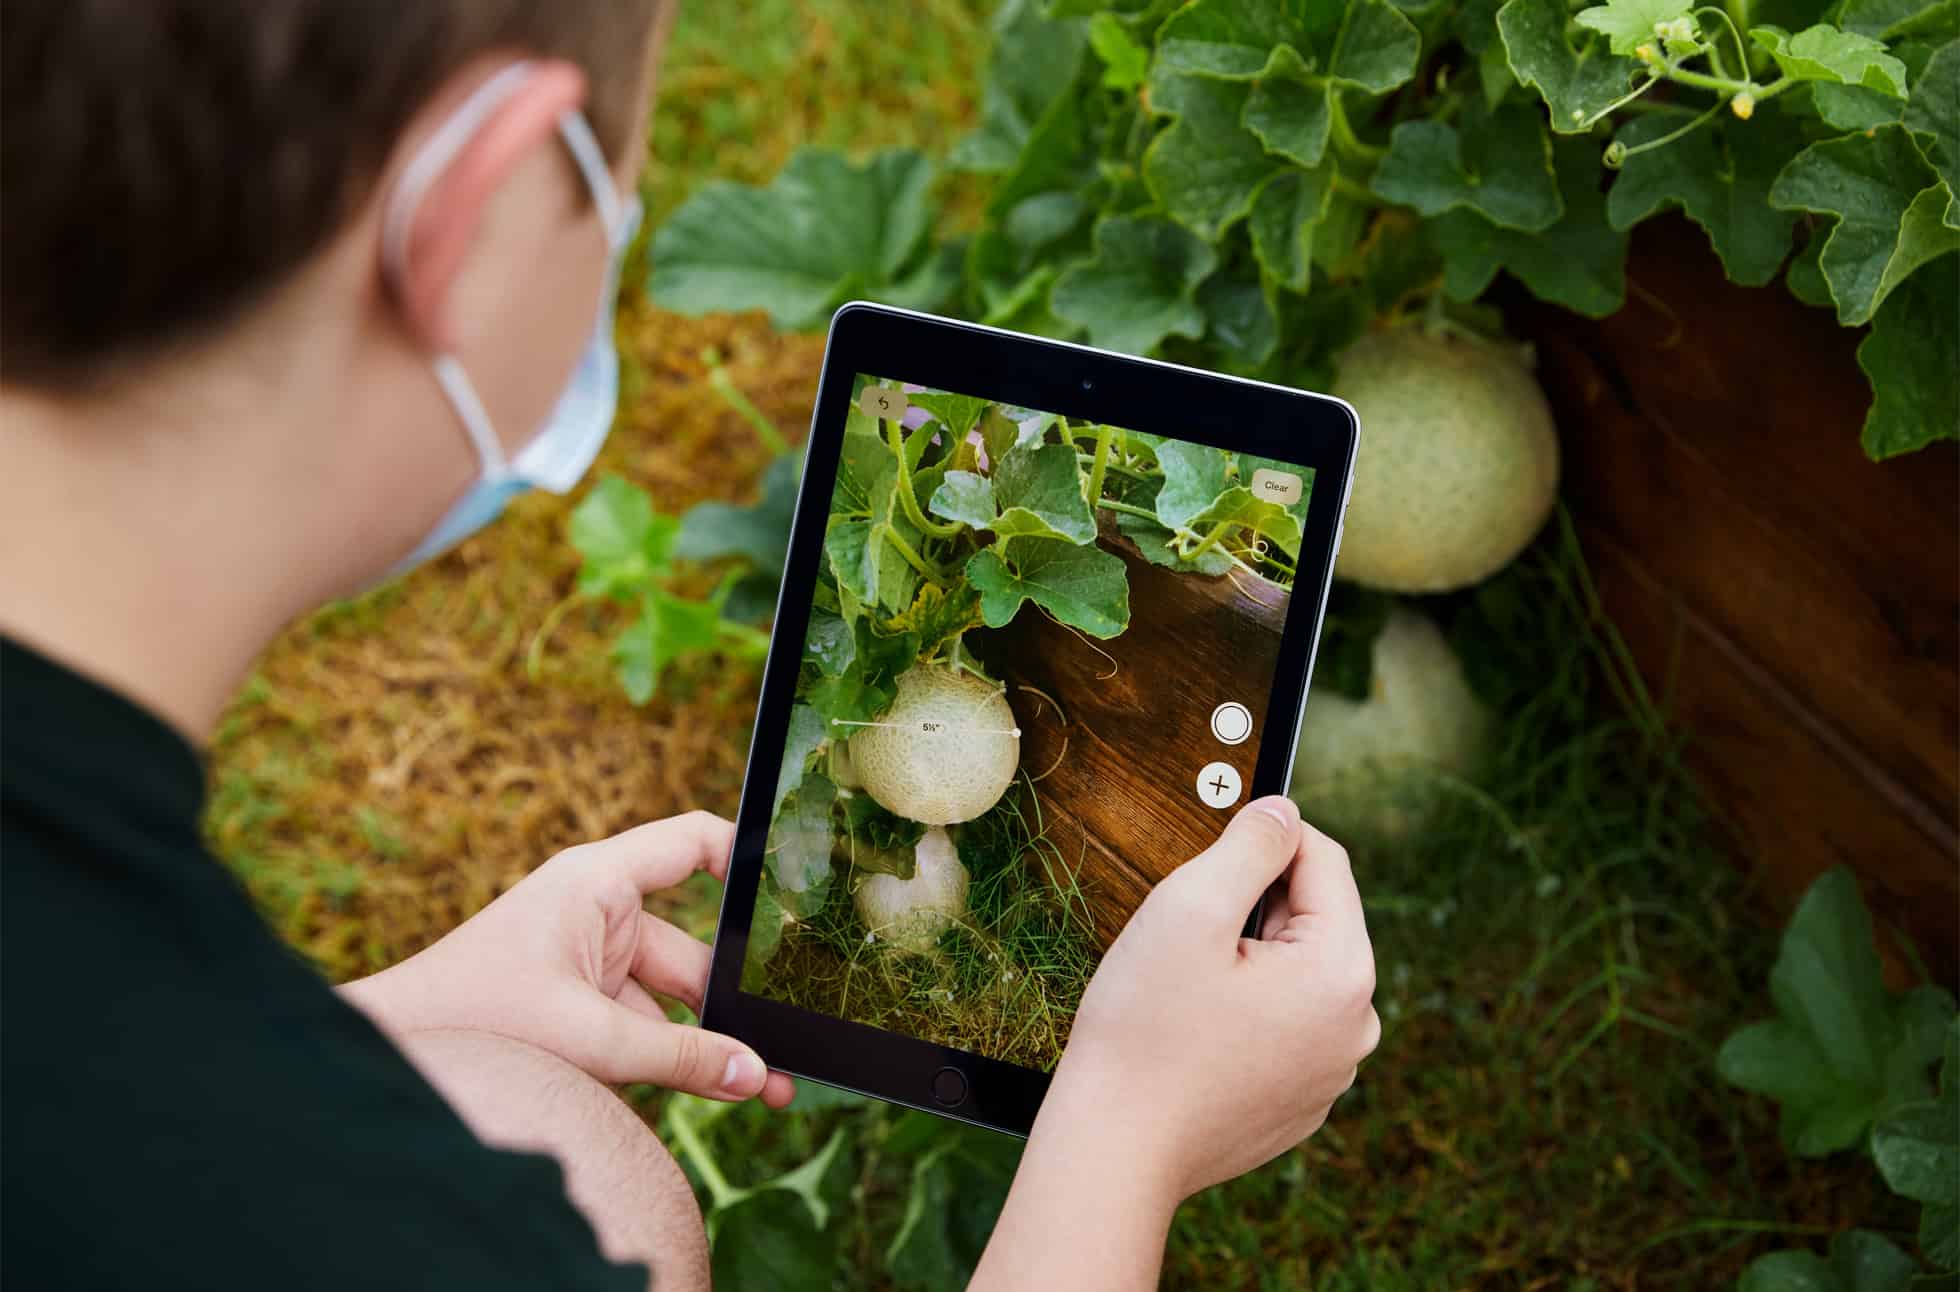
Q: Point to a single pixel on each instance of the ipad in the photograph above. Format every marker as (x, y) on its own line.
(1047, 620)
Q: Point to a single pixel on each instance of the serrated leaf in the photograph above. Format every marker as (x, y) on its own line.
(1804, 279)
(1823, 53)
(801, 838)
(1039, 490)
(1205, 168)
(1917, 1150)
(1033, 60)
(1140, 286)
(1124, 61)
(820, 233)
(1194, 476)
(1853, 107)
(806, 732)
(967, 497)
(1236, 38)
(1082, 586)
(1842, 1050)
(1285, 214)
(1290, 117)
(829, 643)
(1157, 545)
(1934, 116)
(1577, 85)
(1908, 358)
(958, 1188)
(1860, 1261)
(869, 564)
(1238, 318)
(1239, 506)
(1579, 263)
(758, 532)
(959, 414)
(622, 541)
(1376, 49)
(668, 627)
(1888, 204)
(1720, 176)
(938, 615)
(1501, 168)
(865, 687)
(1629, 24)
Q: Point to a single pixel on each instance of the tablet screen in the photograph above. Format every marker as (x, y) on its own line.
(1034, 682)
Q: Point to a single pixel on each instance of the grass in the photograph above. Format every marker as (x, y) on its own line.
(1004, 981)
(1559, 955)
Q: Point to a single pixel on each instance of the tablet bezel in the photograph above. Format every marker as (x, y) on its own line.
(1076, 381)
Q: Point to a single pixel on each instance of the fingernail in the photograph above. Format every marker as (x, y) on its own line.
(1280, 808)
(744, 1074)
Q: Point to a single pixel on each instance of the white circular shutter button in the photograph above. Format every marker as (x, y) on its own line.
(1218, 785)
(1231, 722)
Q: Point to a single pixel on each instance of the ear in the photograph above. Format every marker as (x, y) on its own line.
(453, 209)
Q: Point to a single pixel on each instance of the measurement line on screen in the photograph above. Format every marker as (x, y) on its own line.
(908, 726)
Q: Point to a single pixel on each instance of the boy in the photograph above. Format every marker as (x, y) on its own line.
(295, 294)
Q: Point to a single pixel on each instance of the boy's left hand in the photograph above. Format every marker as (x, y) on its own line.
(567, 959)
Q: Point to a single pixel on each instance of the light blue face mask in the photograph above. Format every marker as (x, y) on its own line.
(561, 450)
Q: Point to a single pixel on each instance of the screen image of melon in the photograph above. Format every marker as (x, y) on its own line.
(1033, 683)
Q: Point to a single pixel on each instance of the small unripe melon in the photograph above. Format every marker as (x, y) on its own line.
(945, 751)
(1457, 465)
(910, 914)
(1369, 767)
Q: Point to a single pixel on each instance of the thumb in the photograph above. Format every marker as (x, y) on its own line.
(679, 1056)
(1226, 880)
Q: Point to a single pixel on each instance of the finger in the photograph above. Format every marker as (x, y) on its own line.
(671, 962)
(639, 1000)
(661, 854)
(1321, 887)
(778, 1090)
(1227, 878)
(1274, 909)
(676, 1056)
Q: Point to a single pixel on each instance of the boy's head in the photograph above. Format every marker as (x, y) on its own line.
(194, 217)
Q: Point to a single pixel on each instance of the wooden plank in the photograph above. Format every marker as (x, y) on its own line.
(1118, 781)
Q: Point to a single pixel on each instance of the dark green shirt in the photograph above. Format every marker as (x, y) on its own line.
(183, 1102)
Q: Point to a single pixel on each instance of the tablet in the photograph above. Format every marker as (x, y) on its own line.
(1046, 621)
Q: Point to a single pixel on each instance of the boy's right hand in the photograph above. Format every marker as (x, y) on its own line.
(1204, 1054)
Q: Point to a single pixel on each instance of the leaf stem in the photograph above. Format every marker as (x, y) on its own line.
(930, 572)
(746, 638)
(1345, 140)
(1616, 155)
(1120, 468)
(1210, 540)
(534, 657)
(1741, 50)
(1110, 504)
(907, 498)
(1358, 192)
(1653, 79)
(1103, 437)
(697, 1150)
(765, 429)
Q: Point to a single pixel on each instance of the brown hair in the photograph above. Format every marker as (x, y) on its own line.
(166, 162)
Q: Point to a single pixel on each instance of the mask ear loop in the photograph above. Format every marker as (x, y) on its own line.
(429, 162)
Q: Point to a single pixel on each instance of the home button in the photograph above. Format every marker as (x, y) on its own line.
(949, 1087)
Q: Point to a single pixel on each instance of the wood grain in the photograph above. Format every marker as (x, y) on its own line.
(1802, 602)
(1118, 779)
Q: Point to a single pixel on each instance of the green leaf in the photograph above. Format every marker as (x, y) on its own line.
(623, 542)
(1082, 586)
(1039, 490)
(1917, 1149)
(801, 839)
(1878, 17)
(1237, 38)
(1577, 85)
(1842, 1050)
(1284, 215)
(1291, 117)
(765, 934)
(958, 1188)
(1140, 287)
(1205, 168)
(966, 497)
(1804, 279)
(1032, 63)
(759, 532)
(1720, 175)
(1376, 49)
(1501, 169)
(1888, 203)
(1579, 263)
(1860, 1261)
(829, 644)
(1156, 545)
(1239, 319)
(1628, 24)
(1238, 506)
(1194, 477)
(957, 413)
(1853, 107)
(1934, 116)
(1124, 61)
(668, 628)
(1823, 53)
(767, 1240)
(1908, 358)
(806, 732)
(822, 232)
(864, 688)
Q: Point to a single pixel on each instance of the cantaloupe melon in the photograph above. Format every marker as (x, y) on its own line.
(910, 914)
(945, 751)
